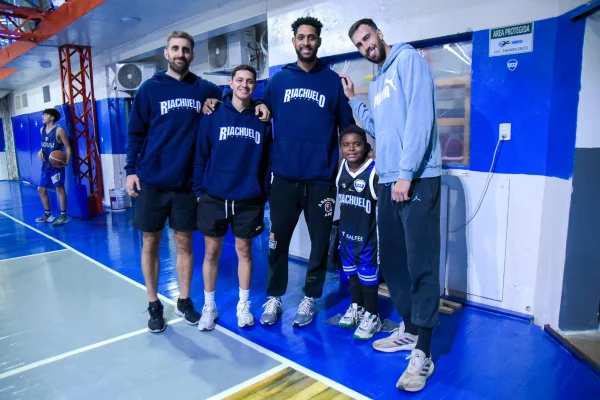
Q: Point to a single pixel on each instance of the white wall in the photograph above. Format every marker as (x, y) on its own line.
(512, 254)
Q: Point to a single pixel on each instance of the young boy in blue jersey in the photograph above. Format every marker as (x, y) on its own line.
(402, 119)
(163, 126)
(231, 182)
(356, 183)
(53, 138)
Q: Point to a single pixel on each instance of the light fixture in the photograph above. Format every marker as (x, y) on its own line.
(130, 20)
(45, 64)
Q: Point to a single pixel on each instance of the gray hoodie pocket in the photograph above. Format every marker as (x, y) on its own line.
(389, 152)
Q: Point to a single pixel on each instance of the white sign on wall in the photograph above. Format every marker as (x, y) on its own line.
(511, 40)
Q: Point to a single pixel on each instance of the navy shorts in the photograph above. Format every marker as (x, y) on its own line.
(53, 178)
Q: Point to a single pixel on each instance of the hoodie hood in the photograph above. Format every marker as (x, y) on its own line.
(396, 49)
(162, 76)
(319, 66)
(227, 97)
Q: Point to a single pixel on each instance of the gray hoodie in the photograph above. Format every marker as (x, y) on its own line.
(402, 118)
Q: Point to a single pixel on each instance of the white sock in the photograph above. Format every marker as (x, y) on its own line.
(244, 295)
(209, 297)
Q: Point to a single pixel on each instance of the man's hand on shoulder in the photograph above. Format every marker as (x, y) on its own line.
(262, 112)
(348, 86)
(210, 105)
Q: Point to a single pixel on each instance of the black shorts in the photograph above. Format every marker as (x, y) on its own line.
(154, 206)
(247, 217)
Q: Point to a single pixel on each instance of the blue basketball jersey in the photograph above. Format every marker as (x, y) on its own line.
(358, 225)
(49, 144)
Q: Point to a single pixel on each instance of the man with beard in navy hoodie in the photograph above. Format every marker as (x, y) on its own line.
(231, 181)
(160, 150)
(309, 109)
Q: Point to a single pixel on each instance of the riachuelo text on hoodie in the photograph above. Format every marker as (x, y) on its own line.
(162, 129)
(402, 118)
(232, 160)
(308, 110)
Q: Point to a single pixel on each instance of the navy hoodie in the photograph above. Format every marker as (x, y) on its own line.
(162, 129)
(309, 109)
(232, 159)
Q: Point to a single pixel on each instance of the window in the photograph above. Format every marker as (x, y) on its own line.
(24, 100)
(451, 68)
(18, 102)
(46, 91)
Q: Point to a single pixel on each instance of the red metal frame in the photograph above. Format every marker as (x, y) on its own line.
(19, 17)
(78, 93)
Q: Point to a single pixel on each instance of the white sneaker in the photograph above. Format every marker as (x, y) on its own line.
(244, 315)
(209, 317)
(353, 316)
(369, 326)
(397, 341)
(416, 374)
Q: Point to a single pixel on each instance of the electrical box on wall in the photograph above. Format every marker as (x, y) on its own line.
(505, 131)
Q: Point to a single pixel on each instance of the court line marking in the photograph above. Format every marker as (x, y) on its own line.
(238, 388)
(306, 371)
(78, 351)
(32, 255)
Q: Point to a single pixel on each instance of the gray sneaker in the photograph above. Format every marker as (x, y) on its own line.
(306, 312)
(60, 220)
(45, 218)
(272, 311)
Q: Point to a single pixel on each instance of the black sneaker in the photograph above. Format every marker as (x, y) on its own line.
(185, 308)
(156, 323)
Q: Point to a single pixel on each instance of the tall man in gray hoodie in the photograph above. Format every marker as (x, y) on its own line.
(403, 122)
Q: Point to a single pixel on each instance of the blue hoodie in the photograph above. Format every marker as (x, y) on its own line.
(308, 109)
(232, 159)
(162, 129)
(402, 118)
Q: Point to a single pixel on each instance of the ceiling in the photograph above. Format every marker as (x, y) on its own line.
(102, 29)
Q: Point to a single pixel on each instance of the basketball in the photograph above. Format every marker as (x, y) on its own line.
(58, 159)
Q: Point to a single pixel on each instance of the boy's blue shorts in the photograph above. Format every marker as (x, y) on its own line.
(53, 178)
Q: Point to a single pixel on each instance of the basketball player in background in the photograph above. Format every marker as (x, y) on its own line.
(53, 138)
(161, 139)
(402, 119)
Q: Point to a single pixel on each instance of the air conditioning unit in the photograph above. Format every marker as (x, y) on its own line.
(227, 51)
(131, 75)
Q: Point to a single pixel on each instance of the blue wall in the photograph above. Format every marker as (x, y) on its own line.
(2, 142)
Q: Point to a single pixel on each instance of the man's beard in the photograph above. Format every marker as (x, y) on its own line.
(179, 68)
(380, 53)
(305, 59)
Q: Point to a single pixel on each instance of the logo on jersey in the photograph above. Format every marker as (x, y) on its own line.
(177, 104)
(359, 185)
(348, 199)
(304, 94)
(327, 205)
(354, 238)
(226, 132)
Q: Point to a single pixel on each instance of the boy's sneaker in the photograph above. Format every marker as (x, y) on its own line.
(369, 326)
(306, 312)
(416, 374)
(244, 315)
(45, 218)
(61, 220)
(209, 317)
(353, 316)
(397, 341)
(272, 311)
(157, 322)
(185, 309)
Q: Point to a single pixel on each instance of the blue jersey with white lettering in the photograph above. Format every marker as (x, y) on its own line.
(232, 160)
(49, 144)
(357, 198)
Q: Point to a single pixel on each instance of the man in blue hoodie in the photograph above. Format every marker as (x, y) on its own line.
(160, 151)
(403, 122)
(309, 109)
(231, 182)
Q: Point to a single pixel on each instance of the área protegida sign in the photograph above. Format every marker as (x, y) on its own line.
(511, 40)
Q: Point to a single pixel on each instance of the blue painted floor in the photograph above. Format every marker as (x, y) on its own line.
(478, 355)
